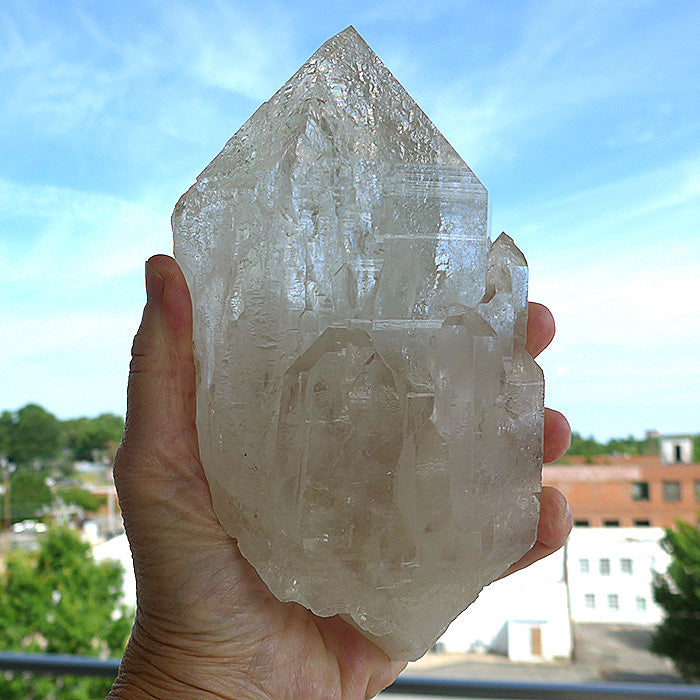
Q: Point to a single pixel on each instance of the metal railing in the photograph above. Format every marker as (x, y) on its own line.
(65, 665)
(58, 664)
(507, 690)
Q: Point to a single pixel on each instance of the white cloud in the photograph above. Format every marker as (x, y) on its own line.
(57, 331)
(565, 60)
(228, 47)
(637, 208)
(47, 84)
(53, 233)
(410, 10)
(71, 292)
(623, 271)
(63, 77)
(617, 264)
(614, 259)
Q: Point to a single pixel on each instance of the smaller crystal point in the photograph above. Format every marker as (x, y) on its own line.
(369, 421)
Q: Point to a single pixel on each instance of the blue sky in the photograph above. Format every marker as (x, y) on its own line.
(580, 118)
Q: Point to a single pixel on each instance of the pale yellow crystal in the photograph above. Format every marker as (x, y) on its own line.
(369, 420)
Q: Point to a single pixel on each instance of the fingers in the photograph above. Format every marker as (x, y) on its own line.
(554, 527)
(540, 328)
(161, 391)
(540, 331)
(557, 435)
(556, 518)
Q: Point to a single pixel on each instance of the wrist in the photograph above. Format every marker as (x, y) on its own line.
(153, 668)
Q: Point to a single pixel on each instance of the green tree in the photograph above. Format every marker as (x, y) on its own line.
(59, 600)
(28, 493)
(678, 593)
(590, 447)
(82, 498)
(7, 423)
(85, 435)
(584, 446)
(631, 446)
(34, 434)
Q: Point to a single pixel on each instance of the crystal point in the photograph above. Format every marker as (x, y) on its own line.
(369, 421)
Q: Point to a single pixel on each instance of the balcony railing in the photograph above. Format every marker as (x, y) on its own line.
(505, 690)
(58, 664)
(64, 665)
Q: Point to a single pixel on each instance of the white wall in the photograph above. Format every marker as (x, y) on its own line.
(624, 595)
(668, 450)
(501, 617)
(118, 550)
(503, 614)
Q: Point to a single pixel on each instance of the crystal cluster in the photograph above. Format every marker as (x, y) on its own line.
(369, 420)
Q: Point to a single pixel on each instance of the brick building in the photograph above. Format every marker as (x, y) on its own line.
(631, 490)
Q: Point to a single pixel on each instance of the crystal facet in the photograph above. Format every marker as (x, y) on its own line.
(369, 420)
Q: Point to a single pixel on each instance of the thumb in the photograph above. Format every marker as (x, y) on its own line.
(160, 416)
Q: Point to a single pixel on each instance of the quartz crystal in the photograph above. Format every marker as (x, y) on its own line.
(369, 421)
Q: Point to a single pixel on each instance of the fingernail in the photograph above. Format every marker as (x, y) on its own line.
(154, 284)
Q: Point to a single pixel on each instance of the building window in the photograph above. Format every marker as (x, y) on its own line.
(642, 523)
(677, 453)
(697, 490)
(613, 601)
(581, 523)
(605, 567)
(611, 523)
(640, 490)
(626, 566)
(589, 600)
(641, 603)
(583, 565)
(672, 490)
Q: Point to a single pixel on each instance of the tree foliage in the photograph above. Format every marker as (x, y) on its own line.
(59, 600)
(28, 493)
(678, 593)
(83, 436)
(589, 447)
(584, 446)
(32, 433)
(82, 498)
(7, 421)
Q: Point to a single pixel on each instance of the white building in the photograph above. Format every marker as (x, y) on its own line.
(676, 449)
(610, 572)
(118, 550)
(527, 616)
(524, 616)
(602, 575)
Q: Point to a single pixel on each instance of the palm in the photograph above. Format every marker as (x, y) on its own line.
(199, 586)
(195, 590)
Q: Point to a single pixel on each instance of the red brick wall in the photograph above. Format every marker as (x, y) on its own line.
(603, 491)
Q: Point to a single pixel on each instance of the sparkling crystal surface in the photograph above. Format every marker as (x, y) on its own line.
(369, 420)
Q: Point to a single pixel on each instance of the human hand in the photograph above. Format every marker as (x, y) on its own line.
(206, 625)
